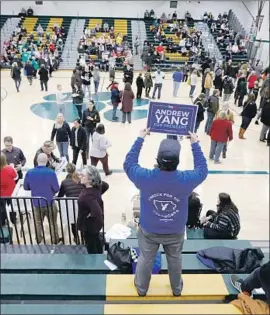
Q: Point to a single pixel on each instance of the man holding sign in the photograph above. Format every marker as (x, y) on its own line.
(164, 195)
(172, 119)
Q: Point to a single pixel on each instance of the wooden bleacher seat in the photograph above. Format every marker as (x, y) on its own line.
(55, 309)
(197, 287)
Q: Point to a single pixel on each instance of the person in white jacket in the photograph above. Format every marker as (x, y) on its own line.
(60, 99)
(193, 82)
(99, 149)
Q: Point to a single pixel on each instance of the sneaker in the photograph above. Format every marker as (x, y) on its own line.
(237, 283)
(224, 155)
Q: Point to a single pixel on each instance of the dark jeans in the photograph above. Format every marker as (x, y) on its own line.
(76, 152)
(44, 84)
(256, 281)
(245, 122)
(185, 77)
(147, 91)
(157, 86)
(104, 162)
(79, 109)
(139, 92)
(93, 243)
(17, 84)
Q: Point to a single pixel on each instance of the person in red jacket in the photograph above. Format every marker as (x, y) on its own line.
(252, 78)
(52, 47)
(220, 132)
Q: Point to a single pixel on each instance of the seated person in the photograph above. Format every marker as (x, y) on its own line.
(184, 51)
(235, 48)
(194, 211)
(259, 278)
(223, 224)
(106, 27)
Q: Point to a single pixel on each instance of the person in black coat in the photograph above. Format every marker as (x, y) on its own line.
(78, 142)
(91, 209)
(16, 75)
(265, 118)
(78, 100)
(218, 83)
(199, 101)
(71, 187)
(128, 75)
(63, 135)
(90, 120)
(241, 90)
(29, 71)
(248, 113)
(47, 148)
(140, 86)
(44, 77)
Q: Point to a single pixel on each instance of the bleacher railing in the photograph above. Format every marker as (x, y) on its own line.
(33, 221)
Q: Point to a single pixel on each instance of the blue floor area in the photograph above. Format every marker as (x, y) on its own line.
(136, 114)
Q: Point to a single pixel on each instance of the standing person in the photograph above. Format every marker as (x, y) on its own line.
(127, 97)
(185, 72)
(163, 215)
(199, 101)
(16, 75)
(177, 79)
(148, 83)
(159, 77)
(89, 122)
(99, 149)
(136, 45)
(241, 90)
(60, 99)
(8, 177)
(42, 182)
(71, 187)
(140, 86)
(63, 135)
(29, 71)
(218, 83)
(265, 116)
(248, 113)
(220, 132)
(14, 156)
(128, 75)
(115, 99)
(44, 77)
(228, 88)
(86, 81)
(73, 81)
(207, 82)
(96, 79)
(78, 100)
(212, 109)
(47, 148)
(78, 142)
(193, 82)
(265, 89)
(252, 78)
(91, 209)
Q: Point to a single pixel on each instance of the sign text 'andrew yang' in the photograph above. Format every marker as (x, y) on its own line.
(171, 118)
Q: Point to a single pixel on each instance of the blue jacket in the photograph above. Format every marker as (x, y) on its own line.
(164, 195)
(42, 182)
(115, 96)
(178, 76)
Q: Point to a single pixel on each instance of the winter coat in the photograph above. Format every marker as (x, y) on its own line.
(265, 117)
(63, 134)
(247, 305)
(208, 81)
(29, 70)
(81, 136)
(90, 124)
(16, 73)
(218, 82)
(251, 81)
(127, 101)
(213, 104)
(265, 88)
(70, 188)
(148, 82)
(128, 76)
(241, 88)
(201, 110)
(86, 77)
(43, 74)
(139, 83)
(78, 99)
(51, 158)
(229, 260)
(221, 130)
(250, 110)
(228, 86)
(115, 96)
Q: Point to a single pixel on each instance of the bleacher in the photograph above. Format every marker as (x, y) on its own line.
(3, 19)
(32, 276)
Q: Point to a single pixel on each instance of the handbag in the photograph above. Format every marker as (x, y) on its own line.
(121, 257)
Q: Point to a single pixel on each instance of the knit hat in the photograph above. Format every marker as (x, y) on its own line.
(169, 151)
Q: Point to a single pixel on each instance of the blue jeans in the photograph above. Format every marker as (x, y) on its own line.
(61, 108)
(176, 86)
(114, 112)
(215, 150)
(96, 84)
(63, 149)
(192, 89)
(209, 121)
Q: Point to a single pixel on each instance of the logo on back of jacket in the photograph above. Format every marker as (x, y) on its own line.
(165, 206)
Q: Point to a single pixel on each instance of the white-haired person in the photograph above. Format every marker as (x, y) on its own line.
(62, 131)
(91, 210)
(220, 133)
(16, 75)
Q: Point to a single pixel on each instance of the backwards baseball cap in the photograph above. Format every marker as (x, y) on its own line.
(169, 151)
